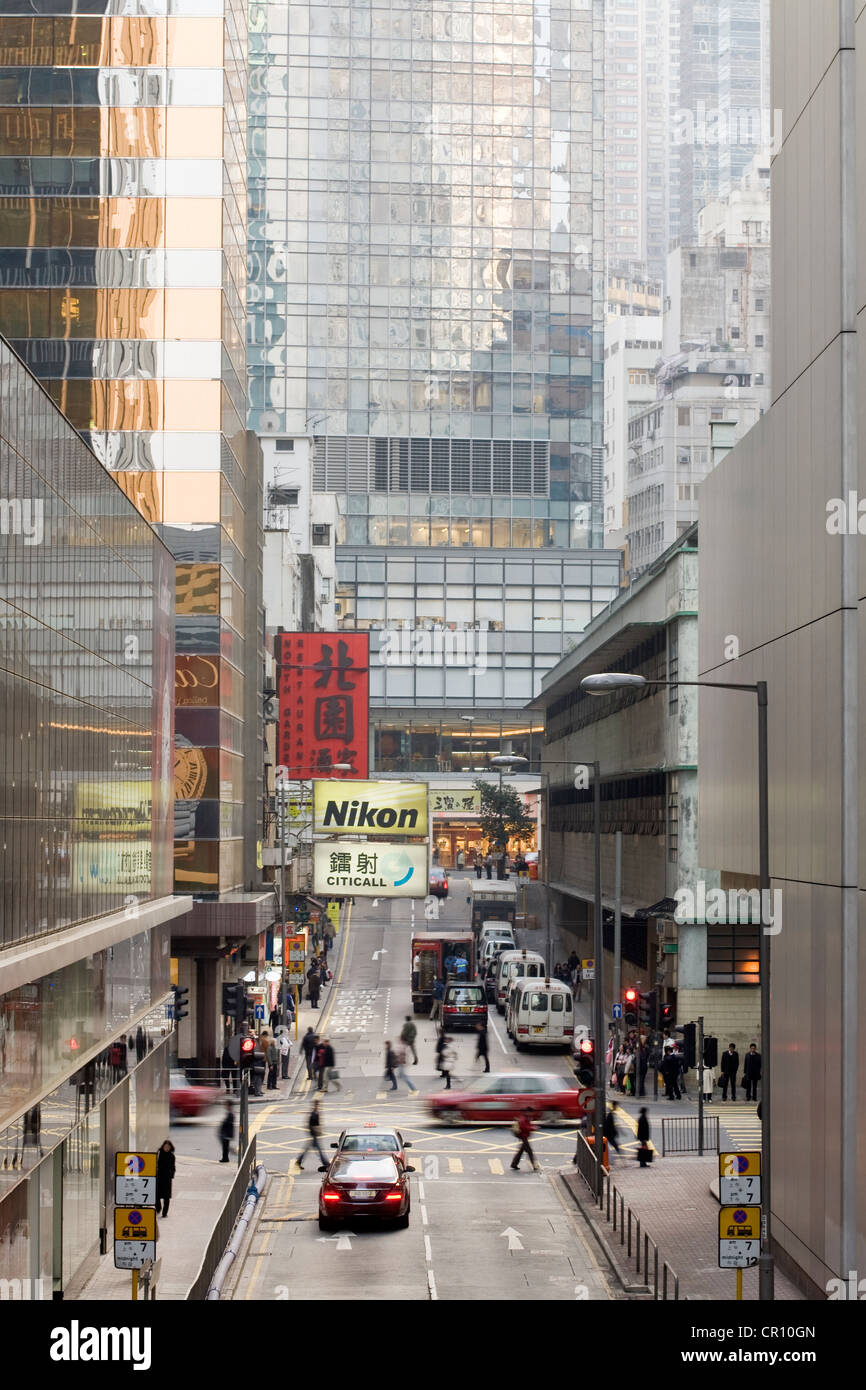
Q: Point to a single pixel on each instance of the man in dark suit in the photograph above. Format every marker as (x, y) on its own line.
(729, 1067)
(752, 1071)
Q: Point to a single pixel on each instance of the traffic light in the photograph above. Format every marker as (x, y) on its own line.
(690, 1043)
(180, 1002)
(667, 1016)
(585, 1070)
(648, 1004)
(234, 1003)
(248, 1047)
(629, 1005)
(711, 1052)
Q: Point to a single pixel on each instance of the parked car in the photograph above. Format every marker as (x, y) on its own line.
(187, 1100)
(364, 1187)
(505, 1095)
(438, 884)
(464, 1006)
(371, 1138)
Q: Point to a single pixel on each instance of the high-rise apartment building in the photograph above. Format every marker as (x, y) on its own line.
(122, 286)
(427, 236)
(637, 166)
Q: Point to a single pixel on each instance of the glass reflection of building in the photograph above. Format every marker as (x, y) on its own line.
(86, 901)
(122, 284)
(424, 304)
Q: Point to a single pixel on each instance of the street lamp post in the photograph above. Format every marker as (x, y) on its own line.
(602, 684)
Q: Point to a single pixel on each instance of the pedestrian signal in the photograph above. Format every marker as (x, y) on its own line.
(585, 1069)
(248, 1047)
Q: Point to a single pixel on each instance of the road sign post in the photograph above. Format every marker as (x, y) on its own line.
(740, 1178)
(135, 1179)
(739, 1236)
(134, 1237)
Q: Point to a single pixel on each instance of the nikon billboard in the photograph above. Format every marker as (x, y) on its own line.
(369, 808)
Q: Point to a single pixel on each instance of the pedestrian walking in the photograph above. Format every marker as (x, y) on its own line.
(488, 864)
(438, 996)
(618, 1070)
(481, 1049)
(752, 1071)
(707, 1082)
(285, 1053)
(319, 1064)
(229, 1071)
(258, 1068)
(408, 1034)
(461, 861)
(314, 984)
(644, 1153)
(390, 1064)
(445, 1059)
(479, 866)
(227, 1130)
(328, 1073)
(400, 1069)
(272, 1057)
(309, 1043)
(314, 1130)
(729, 1067)
(609, 1130)
(165, 1166)
(628, 1075)
(670, 1073)
(523, 1128)
(681, 1058)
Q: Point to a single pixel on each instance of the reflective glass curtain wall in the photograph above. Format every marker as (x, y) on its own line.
(425, 233)
(122, 285)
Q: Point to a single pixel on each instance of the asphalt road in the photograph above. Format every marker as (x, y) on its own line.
(477, 1229)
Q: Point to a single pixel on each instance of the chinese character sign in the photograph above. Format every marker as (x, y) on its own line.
(324, 688)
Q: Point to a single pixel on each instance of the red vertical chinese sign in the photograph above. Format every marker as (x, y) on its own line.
(324, 693)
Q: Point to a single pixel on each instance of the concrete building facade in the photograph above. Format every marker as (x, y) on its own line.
(796, 625)
(631, 351)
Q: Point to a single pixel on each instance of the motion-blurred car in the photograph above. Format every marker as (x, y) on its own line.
(505, 1095)
(188, 1100)
(438, 884)
(372, 1139)
(364, 1187)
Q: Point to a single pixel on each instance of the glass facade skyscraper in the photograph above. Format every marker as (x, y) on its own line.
(122, 286)
(424, 234)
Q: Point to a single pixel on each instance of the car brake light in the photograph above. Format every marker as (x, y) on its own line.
(522, 1030)
(393, 1196)
(478, 1009)
(567, 1031)
(331, 1196)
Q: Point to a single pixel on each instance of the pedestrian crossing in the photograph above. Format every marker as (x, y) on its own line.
(739, 1122)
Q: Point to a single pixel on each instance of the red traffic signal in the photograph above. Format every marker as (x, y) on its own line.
(248, 1047)
(631, 996)
(587, 1046)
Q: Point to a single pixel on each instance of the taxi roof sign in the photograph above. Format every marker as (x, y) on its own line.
(135, 1165)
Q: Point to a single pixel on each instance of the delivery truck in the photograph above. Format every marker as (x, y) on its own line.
(445, 954)
(493, 900)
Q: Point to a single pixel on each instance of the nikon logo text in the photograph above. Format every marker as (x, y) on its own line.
(359, 814)
(77, 1343)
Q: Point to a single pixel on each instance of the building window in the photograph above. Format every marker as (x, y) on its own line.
(673, 817)
(735, 333)
(759, 340)
(321, 535)
(285, 446)
(733, 954)
(684, 415)
(673, 665)
(282, 497)
(759, 306)
(735, 296)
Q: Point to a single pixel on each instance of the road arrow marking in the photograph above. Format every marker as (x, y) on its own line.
(377, 954)
(514, 1241)
(343, 1241)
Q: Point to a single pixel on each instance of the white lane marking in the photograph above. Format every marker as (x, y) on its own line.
(421, 1191)
(431, 1284)
(428, 1253)
(496, 1032)
(423, 1215)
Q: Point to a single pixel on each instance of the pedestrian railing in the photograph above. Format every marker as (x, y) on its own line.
(225, 1224)
(681, 1134)
(637, 1245)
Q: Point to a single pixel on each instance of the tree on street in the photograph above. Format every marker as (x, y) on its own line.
(503, 815)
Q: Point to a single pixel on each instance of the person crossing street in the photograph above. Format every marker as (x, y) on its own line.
(523, 1128)
(314, 1129)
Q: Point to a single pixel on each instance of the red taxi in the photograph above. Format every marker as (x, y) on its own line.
(505, 1095)
(364, 1187)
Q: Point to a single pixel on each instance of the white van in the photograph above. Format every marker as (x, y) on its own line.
(540, 1012)
(492, 947)
(514, 964)
(501, 932)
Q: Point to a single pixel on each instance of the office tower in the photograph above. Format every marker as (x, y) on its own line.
(123, 228)
(427, 321)
(86, 904)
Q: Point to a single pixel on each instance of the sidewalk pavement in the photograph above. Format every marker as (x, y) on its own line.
(674, 1199)
(199, 1191)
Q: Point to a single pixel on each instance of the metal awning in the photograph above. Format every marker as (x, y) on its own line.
(629, 909)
